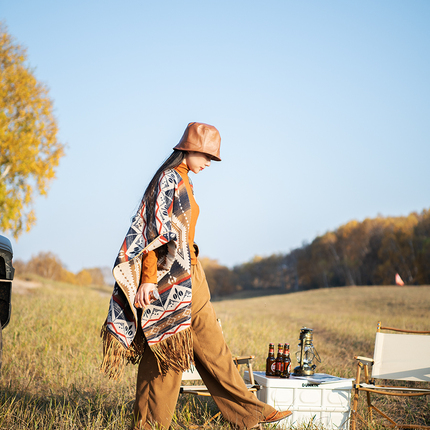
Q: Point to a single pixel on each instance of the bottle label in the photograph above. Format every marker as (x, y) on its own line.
(273, 367)
(287, 369)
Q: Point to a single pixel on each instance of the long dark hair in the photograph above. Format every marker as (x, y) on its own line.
(174, 160)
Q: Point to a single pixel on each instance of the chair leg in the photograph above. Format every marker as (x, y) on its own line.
(251, 373)
(369, 408)
(369, 400)
(252, 380)
(355, 402)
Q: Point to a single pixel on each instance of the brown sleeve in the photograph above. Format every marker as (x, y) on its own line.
(149, 268)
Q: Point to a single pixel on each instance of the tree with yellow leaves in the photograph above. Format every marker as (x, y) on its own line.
(29, 149)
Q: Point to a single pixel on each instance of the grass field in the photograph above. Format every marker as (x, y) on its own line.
(52, 350)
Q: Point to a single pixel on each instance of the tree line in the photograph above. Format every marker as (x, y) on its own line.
(370, 252)
(49, 266)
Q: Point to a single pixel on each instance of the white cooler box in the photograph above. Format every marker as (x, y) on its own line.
(323, 398)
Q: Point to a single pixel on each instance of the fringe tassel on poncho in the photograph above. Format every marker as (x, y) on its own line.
(176, 353)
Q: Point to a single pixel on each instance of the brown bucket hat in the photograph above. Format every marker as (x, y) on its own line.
(201, 137)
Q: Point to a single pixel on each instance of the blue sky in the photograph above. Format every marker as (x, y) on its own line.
(323, 109)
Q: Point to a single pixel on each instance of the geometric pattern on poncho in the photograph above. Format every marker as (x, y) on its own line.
(171, 314)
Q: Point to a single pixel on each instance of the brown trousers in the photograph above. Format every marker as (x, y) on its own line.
(156, 395)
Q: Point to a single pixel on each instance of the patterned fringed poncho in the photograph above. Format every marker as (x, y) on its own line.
(166, 322)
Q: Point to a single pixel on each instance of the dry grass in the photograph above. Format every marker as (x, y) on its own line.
(52, 352)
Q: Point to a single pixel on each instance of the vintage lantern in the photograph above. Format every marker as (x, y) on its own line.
(306, 354)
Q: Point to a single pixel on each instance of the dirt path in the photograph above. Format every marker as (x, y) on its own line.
(20, 286)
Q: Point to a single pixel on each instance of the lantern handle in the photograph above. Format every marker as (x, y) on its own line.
(317, 356)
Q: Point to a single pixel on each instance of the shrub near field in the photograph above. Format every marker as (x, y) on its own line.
(52, 350)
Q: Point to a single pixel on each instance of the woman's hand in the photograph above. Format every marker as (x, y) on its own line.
(143, 296)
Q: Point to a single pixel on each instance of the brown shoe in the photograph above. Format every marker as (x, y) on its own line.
(276, 416)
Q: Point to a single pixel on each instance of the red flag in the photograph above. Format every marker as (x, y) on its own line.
(399, 280)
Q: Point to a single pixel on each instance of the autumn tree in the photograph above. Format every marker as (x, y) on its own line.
(397, 253)
(29, 149)
(268, 272)
(220, 278)
(422, 245)
(97, 277)
(49, 266)
(84, 277)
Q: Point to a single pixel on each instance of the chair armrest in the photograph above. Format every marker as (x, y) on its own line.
(243, 359)
(364, 360)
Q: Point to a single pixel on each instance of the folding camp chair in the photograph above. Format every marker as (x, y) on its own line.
(402, 356)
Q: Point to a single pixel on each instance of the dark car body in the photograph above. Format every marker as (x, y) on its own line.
(6, 276)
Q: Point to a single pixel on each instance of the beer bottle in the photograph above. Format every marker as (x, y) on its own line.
(270, 361)
(279, 361)
(286, 371)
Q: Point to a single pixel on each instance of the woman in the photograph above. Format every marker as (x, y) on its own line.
(160, 313)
